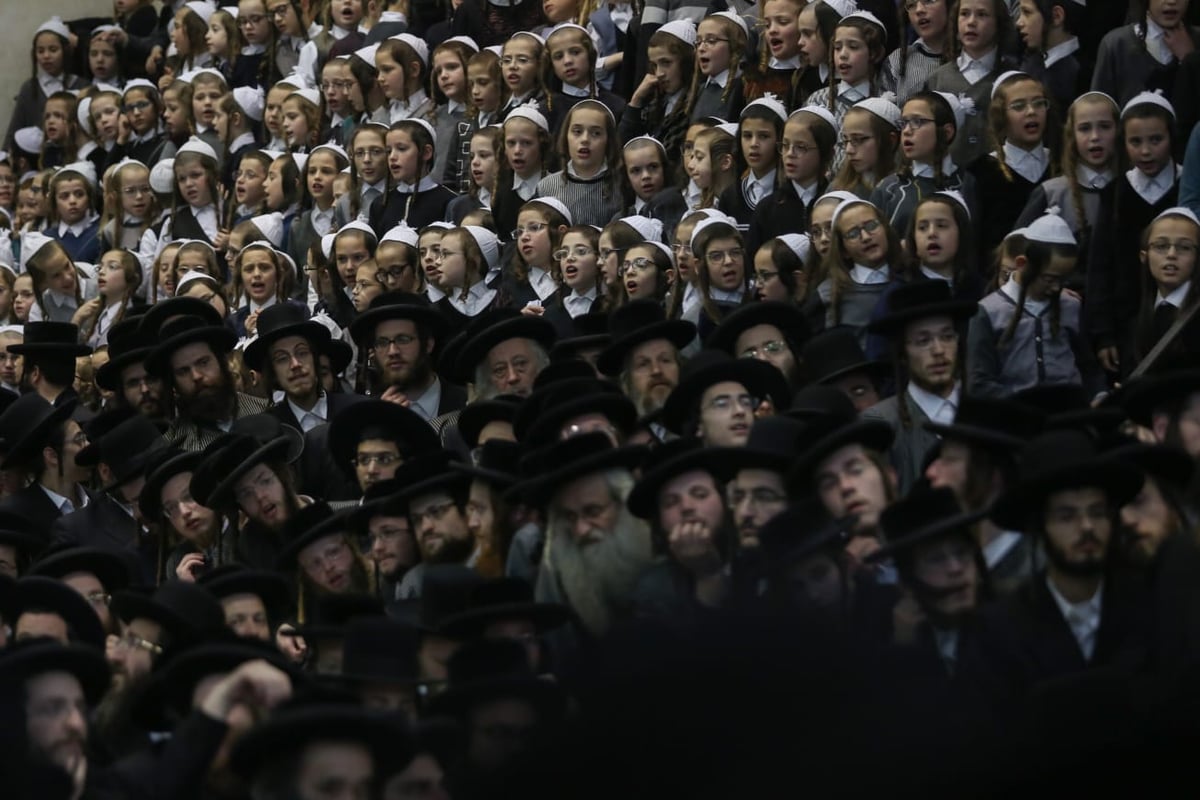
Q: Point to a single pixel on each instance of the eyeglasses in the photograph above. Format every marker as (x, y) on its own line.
(726, 402)
(579, 251)
(681, 248)
(605, 252)
(925, 341)
(370, 152)
(1183, 247)
(794, 149)
(249, 20)
(771, 348)
(855, 233)
(854, 141)
(915, 123)
(822, 231)
(709, 41)
(279, 10)
(135, 107)
(392, 274)
(1021, 106)
(174, 509)
(98, 599)
(384, 343)
(344, 86)
(248, 174)
(131, 641)
(431, 513)
(281, 358)
(714, 257)
(444, 254)
(79, 440)
(635, 265)
(764, 277)
(136, 191)
(379, 459)
(531, 228)
(260, 484)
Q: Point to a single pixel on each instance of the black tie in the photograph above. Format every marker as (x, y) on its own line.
(1164, 318)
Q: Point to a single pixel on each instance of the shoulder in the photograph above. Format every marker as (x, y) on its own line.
(886, 410)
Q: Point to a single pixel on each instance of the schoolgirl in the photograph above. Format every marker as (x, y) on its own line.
(284, 188)
(721, 46)
(177, 114)
(486, 147)
(722, 276)
(73, 219)
(590, 184)
(118, 277)
(448, 88)
(252, 67)
(578, 264)
(926, 24)
(713, 164)
(615, 239)
(1048, 27)
(806, 155)
(60, 131)
(301, 122)
(368, 174)
(870, 136)
(1168, 288)
(50, 56)
(196, 204)
(400, 62)
(249, 188)
(145, 140)
(59, 286)
(782, 269)
(1137, 57)
(129, 206)
(530, 278)
(815, 26)
(859, 265)
(466, 257)
(223, 41)
(779, 50)
(646, 272)
(659, 105)
(104, 57)
(570, 74)
(323, 165)
(759, 130)
(238, 114)
(521, 63)
(414, 197)
(208, 89)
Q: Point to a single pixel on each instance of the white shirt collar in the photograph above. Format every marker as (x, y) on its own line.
(999, 546)
(976, 69)
(77, 229)
(722, 296)
(1176, 297)
(257, 307)
(575, 91)
(577, 304)
(433, 293)
(403, 109)
(865, 276)
(1082, 618)
(455, 107)
(49, 83)
(853, 92)
(322, 221)
(241, 141)
(806, 193)
(1029, 164)
(485, 197)
(1092, 179)
(318, 415)
(1156, 44)
(938, 409)
(784, 63)
(66, 504)
(542, 282)
(575, 173)
(526, 188)
(478, 298)
(1152, 189)
(923, 169)
(691, 296)
(424, 185)
(692, 195)
(823, 71)
(254, 49)
(1061, 51)
(757, 189)
(935, 276)
(720, 79)
(379, 187)
(1012, 289)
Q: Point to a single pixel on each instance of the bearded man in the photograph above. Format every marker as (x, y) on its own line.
(645, 353)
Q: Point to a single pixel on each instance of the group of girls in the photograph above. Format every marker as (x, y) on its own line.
(796, 157)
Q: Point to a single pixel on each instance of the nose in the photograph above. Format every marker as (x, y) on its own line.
(197, 375)
(75, 720)
(580, 528)
(512, 377)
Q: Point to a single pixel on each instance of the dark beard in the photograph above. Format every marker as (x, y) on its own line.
(419, 375)
(452, 551)
(209, 403)
(1086, 569)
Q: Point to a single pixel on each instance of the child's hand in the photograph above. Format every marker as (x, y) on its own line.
(252, 323)
(86, 311)
(645, 92)
(533, 310)
(1109, 359)
(221, 241)
(122, 130)
(168, 77)
(118, 37)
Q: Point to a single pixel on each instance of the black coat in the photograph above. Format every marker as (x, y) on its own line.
(104, 524)
(32, 504)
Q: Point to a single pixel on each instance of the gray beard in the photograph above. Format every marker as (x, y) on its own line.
(598, 579)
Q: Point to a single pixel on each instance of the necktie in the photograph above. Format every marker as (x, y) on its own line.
(1164, 318)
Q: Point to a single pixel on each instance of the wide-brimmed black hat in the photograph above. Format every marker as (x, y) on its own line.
(127, 345)
(1142, 397)
(1058, 460)
(109, 568)
(925, 514)
(329, 614)
(818, 401)
(636, 323)
(709, 367)
(444, 479)
(593, 333)
(398, 305)
(476, 416)
(25, 660)
(486, 670)
(1163, 462)
(505, 324)
(225, 462)
(827, 436)
(165, 311)
(25, 425)
(801, 530)
(412, 434)
(314, 521)
(773, 445)
(182, 331)
(665, 462)
(992, 423)
(910, 302)
(175, 684)
(497, 463)
(566, 369)
(127, 449)
(166, 465)
(37, 593)
(446, 591)
(186, 612)
(265, 427)
(280, 320)
(340, 355)
(51, 339)
(380, 650)
(1068, 405)
(835, 353)
(564, 461)
(787, 317)
(269, 586)
(502, 599)
(541, 418)
(96, 428)
(28, 545)
(387, 499)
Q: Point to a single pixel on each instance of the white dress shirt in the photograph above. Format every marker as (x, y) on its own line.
(1156, 44)
(866, 276)
(758, 188)
(784, 63)
(1176, 297)
(853, 92)
(477, 299)
(923, 169)
(76, 228)
(1082, 618)
(722, 296)
(405, 109)
(938, 409)
(576, 91)
(65, 504)
(526, 188)
(999, 546)
(1092, 179)
(806, 193)
(1152, 189)
(426, 406)
(933, 275)
(975, 70)
(317, 415)
(577, 304)
(1029, 164)
(241, 141)
(1012, 289)
(485, 197)
(672, 102)
(206, 218)
(49, 83)
(1061, 51)
(720, 79)
(322, 221)
(542, 282)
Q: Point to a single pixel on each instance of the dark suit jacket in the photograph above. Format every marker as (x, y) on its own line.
(912, 444)
(33, 504)
(104, 524)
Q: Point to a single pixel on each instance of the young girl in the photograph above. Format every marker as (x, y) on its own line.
(815, 27)
(541, 224)
(928, 128)
(291, 34)
(324, 164)
(368, 174)
(858, 267)
(367, 285)
(429, 249)
(925, 23)
(196, 208)
(721, 46)
(208, 88)
(645, 162)
(1169, 259)
(284, 189)
(186, 258)
(143, 138)
(50, 55)
(779, 51)
(191, 52)
(414, 197)
(614, 241)
(571, 72)
(258, 37)
(486, 93)
(520, 62)
(273, 112)
(162, 273)
(301, 124)
(938, 245)
(118, 276)
(1006, 178)
(259, 271)
(73, 220)
(590, 184)
(981, 25)
(578, 263)
(23, 298)
(104, 120)
(1144, 55)
(781, 269)
(722, 276)
(60, 131)
(806, 153)
(646, 272)
(1127, 207)
(8, 279)
(104, 59)
(713, 165)
(870, 134)
(129, 206)
(203, 286)
(1047, 27)
(237, 113)
(659, 105)
(59, 287)
(1028, 333)
(527, 145)
(448, 88)
(759, 130)
(483, 168)
(400, 63)
(249, 187)
(859, 49)
(223, 42)
(177, 112)
(464, 261)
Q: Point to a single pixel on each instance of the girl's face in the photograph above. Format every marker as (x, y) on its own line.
(179, 36)
(976, 26)
(392, 80)
(725, 260)
(29, 205)
(783, 28)
(258, 274)
(450, 74)
(666, 68)
(1031, 25)
(519, 62)
(1171, 256)
(557, 11)
(283, 13)
(22, 297)
(685, 259)
(347, 13)
(858, 138)
(1095, 129)
(216, 38)
(250, 188)
(8, 183)
(569, 58)
(453, 264)
(689, 142)
(135, 191)
(60, 275)
(759, 145)
(273, 113)
(254, 21)
(48, 52)
(319, 172)
(189, 260)
(851, 55)
(579, 265)
(929, 21)
(1048, 285)
(110, 277)
(139, 110)
(918, 139)
(935, 235)
(534, 244)
(106, 117)
(273, 186)
(404, 157)
(366, 286)
(166, 272)
(205, 100)
(700, 166)
(485, 91)
(174, 115)
(370, 157)
(202, 291)
(1167, 13)
(193, 185)
(813, 48)
(71, 198)
(1148, 144)
(1025, 113)
(295, 124)
(56, 124)
(429, 249)
(713, 53)
(221, 125)
(522, 147)
(862, 246)
(483, 162)
(640, 273)
(609, 260)
(819, 230)
(336, 81)
(644, 168)
(801, 158)
(767, 285)
(102, 59)
(587, 139)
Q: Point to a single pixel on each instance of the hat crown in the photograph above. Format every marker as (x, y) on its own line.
(921, 509)
(918, 294)
(337, 610)
(197, 609)
(308, 517)
(281, 315)
(777, 435)
(999, 415)
(832, 351)
(446, 590)
(1057, 450)
(819, 400)
(378, 646)
(499, 455)
(64, 333)
(632, 316)
(487, 660)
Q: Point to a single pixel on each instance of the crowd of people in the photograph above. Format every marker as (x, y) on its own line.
(406, 399)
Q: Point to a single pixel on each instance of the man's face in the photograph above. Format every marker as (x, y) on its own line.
(850, 483)
(294, 366)
(767, 343)
(481, 515)
(90, 589)
(189, 519)
(246, 616)
(948, 566)
(949, 469)
(726, 414)
(392, 546)
(141, 391)
(56, 718)
(403, 360)
(1146, 522)
(816, 582)
(931, 349)
(328, 563)
(512, 367)
(653, 372)
(262, 497)
(498, 732)
(334, 771)
(74, 440)
(199, 381)
(421, 780)
(39, 624)
(1188, 426)
(441, 529)
(376, 460)
(859, 387)
(131, 659)
(1078, 529)
(755, 496)
(690, 497)
(587, 507)
(521, 631)
(8, 560)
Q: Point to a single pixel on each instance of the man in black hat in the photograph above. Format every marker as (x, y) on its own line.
(93, 572)
(254, 601)
(1162, 509)
(644, 354)
(45, 607)
(166, 500)
(43, 441)
(504, 608)
(124, 374)
(570, 406)
(806, 570)
(382, 522)
(49, 352)
(922, 324)
(317, 549)
(191, 358)
(373, 438)
(20, 544)
(178, 614)
(504, 352)
(379, 663)
(437, 513)
(769, 331)
(718, 397)
(1167, 404)
(835, 358)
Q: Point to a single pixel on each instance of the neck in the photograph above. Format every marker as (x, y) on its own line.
(47, 392)
(306, 401)
(59, 485)
(1076, 588)
(1055, 37)
(935, 44)
(945, 270)
(585, 171)
(324, 202)
(978, 52)
(415, 390)
(986, 532)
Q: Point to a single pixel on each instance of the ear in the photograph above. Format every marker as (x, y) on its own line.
(430, 343)
(726, 162)
(1144, 257)
(50, 457)
(104, 473)
(1020, 262)
(1158, 425)
(949, 131)
(1058, 15)
(427, 153)
(562, 230)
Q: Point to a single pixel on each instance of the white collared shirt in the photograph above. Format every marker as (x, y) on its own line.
(255, 307)
(672, 102)
(865, 276)
(1060, 51)
(691, 297)
(378, 187)
(1156, 44)
(577, 304)
(575, 91)
(49, 83)
(1029, 164)
(206, 218)
(574, 173)
(322, 221)
(485, 197)
(77, 228)
(692, 195)
(974, 70)
(317, 415)
(433, 293)
(1152, 189)
(720, 79)
(1176, 297)
(758, 188)
(526, 188)
(621, 14)
(426, 406)
(1012, 289)
(1091, 179)
(823, 71)
(639, 205)
(241, 141)
(1082, 618)
(478, 298)
(784, 63)
(923, 169)
(104, 322)
(65, 504)
(424, 185)
(455, 107)
(999, 547)
(935, 276)
(542, 282)
(853, 92)
(806, 193)
(254, 49)
(938, 409)
(722, 296)
(405, 109)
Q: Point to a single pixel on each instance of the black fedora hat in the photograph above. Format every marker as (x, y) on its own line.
(564, 369)
(167, 310)
(269, 586)
(818, 401)
(497, 463)
(502, 599)
(28, 545)
(1162, 462)
(182, 331)
(51, 339)
(380, 650)
(340, 355)
(773, 445)
(636, 323)
(543, 415)
(380, 420)
(504, 326)
(265, 427)
(835, 353)
(225, 462)
(398, 305)
(109, 568)
(924, 514)
(710, 367)
(486, 670)
(1142, 397)
(314, 521)
(787, 317)
(801, 530)
(1058, 460)
(127, 449)
(447, 357)
(476, 416)
(824, 437)
(25, 424)
(329, 614)
(564, 461)
(446, 591)
(186, 612)
(918, 300)
(97, 427)
(166, 465)
(593, 334)
(667, 461)
(25, 660)
(992, 423)
(127, 345)
(281, 320)
(38, 593)
(174, 685)
(387, 499)
(1067, 405)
